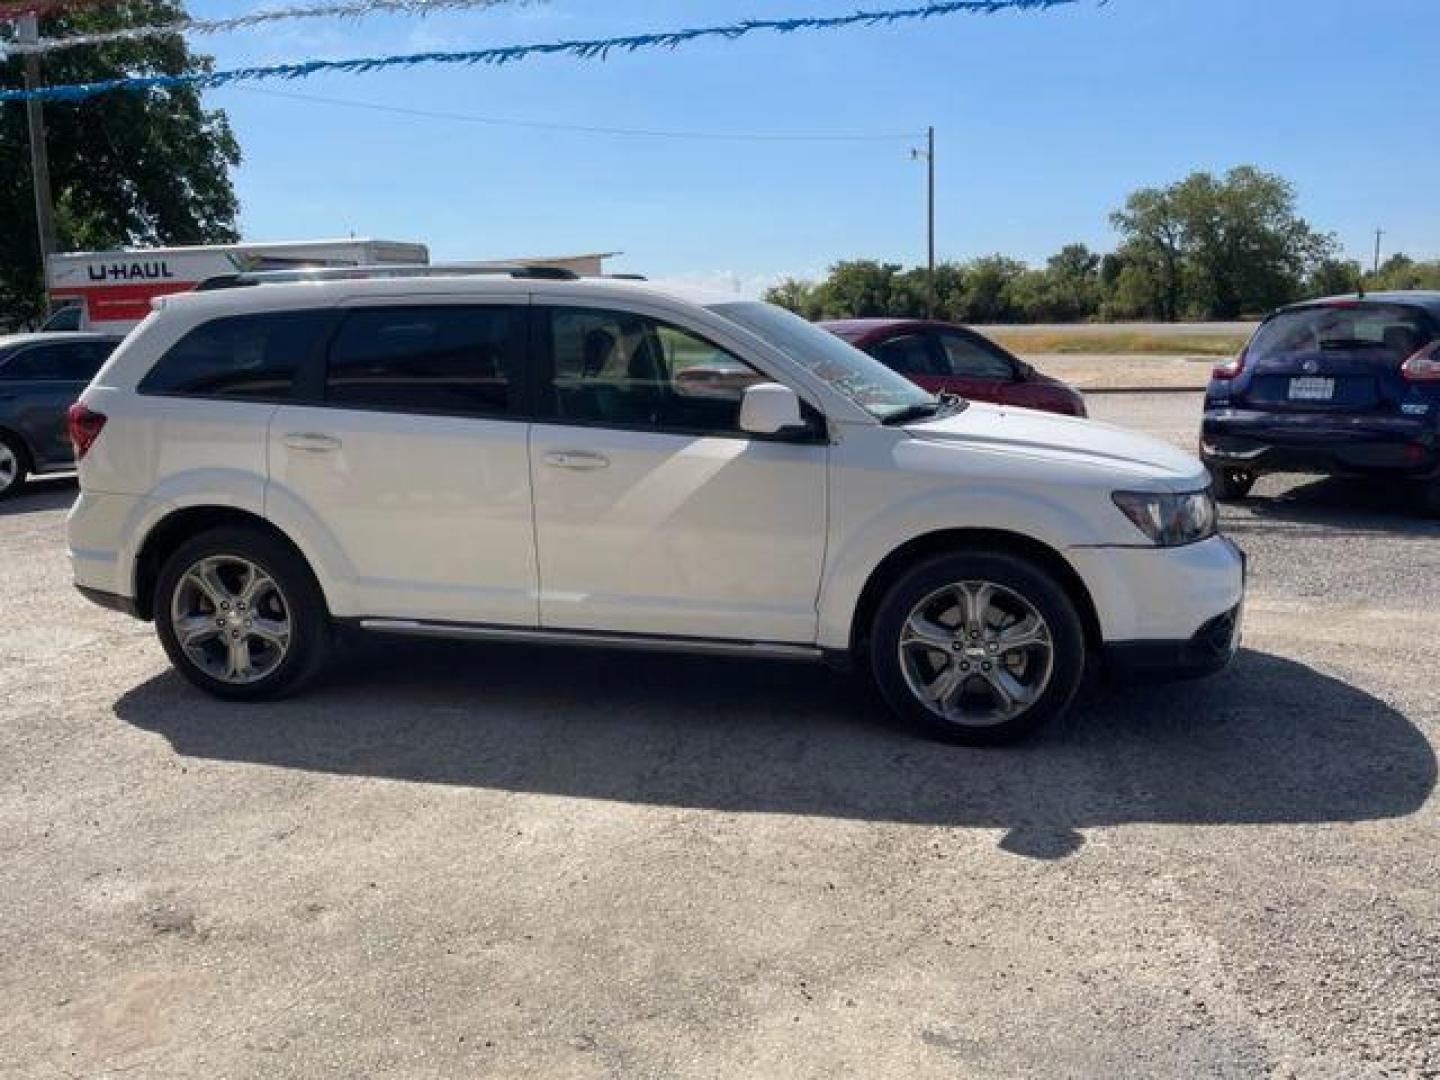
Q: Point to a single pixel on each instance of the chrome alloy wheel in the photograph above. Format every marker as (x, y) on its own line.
(9, 466)
(231, 619)
(976, 654)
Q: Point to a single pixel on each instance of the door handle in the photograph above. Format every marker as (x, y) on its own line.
(312, 441)
(576, 459)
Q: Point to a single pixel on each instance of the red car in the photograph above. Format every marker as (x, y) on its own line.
(944, 356)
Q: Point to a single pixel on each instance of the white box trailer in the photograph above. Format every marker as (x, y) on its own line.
(112, 290)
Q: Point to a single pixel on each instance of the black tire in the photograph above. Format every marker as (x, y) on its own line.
(1018, 578)
(299, 598)
(11, 482)
(1230, 484)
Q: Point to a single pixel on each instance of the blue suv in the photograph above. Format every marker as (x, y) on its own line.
(41, 375)
(1344, 386)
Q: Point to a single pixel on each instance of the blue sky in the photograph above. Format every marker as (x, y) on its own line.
(1044, 121)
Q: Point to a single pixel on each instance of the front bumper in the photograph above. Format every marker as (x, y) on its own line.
(1209, 650)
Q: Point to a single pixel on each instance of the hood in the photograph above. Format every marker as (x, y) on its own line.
(1066, 439)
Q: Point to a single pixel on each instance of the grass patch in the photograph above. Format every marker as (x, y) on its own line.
(1089, 339)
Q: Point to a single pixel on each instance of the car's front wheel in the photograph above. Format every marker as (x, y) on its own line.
(240, 615)
(14, 465)
(977, 648)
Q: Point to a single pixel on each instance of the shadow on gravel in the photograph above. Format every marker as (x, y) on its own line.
(41, 493)
(1269, 741)
(1337, 505)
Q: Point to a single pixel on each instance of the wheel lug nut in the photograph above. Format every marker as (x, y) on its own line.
(964, 667)
(985, 666)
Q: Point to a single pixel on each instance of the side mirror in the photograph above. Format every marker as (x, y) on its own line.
(770, 409)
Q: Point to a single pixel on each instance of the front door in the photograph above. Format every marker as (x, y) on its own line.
(654, 513)
(414, 462)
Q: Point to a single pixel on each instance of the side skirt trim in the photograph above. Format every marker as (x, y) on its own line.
(593, 638)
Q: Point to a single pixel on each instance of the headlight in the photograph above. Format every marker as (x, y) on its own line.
(1169, 520)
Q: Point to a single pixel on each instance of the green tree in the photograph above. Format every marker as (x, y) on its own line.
(860, 288)
(126, 167)
(1402, 272)
(1332, 277)
(1248, 250)
(1219, 247)
(989, 284)
(795, 295)
(1154, 248)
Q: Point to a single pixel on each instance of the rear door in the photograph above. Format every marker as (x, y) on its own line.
(411, 458)
(38, 383)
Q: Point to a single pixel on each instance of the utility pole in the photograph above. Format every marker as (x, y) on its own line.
(929, 155)
(1378, 234)
(29, 33)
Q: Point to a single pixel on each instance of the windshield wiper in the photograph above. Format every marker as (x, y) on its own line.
(921, 410)
(952, 402)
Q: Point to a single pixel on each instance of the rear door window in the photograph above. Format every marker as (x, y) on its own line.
(908, 354)
(250, 357)
(448, 360)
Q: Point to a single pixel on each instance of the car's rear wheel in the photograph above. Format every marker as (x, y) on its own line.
(240, 615)
(1429, 498)
(977, 648)
(14, 465)
(1229, 483)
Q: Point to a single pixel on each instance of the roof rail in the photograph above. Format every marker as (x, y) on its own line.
(365, 273)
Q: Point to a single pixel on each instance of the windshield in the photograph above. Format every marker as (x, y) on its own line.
(1397, 330)
(867, 382)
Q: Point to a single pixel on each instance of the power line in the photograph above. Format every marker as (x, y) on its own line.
(580, 129)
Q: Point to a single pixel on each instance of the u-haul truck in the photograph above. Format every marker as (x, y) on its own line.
(112, 290)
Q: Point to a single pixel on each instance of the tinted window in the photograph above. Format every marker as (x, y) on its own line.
(66, 318)
(450, 360)
(69, 362)
(630, 371)
(1390, 328)
(254, 357)
(909, 354)
(970, 359)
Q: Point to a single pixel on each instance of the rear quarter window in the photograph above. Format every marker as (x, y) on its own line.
(249, 357)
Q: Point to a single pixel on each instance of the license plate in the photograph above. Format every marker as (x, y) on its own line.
(1308, 388)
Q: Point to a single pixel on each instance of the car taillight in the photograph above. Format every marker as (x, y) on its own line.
(85, 425)
(1231, 368)
(1424, 366)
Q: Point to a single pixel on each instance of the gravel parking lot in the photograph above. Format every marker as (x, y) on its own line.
(500, 861)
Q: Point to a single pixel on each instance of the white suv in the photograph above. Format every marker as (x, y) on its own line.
(526, 456)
